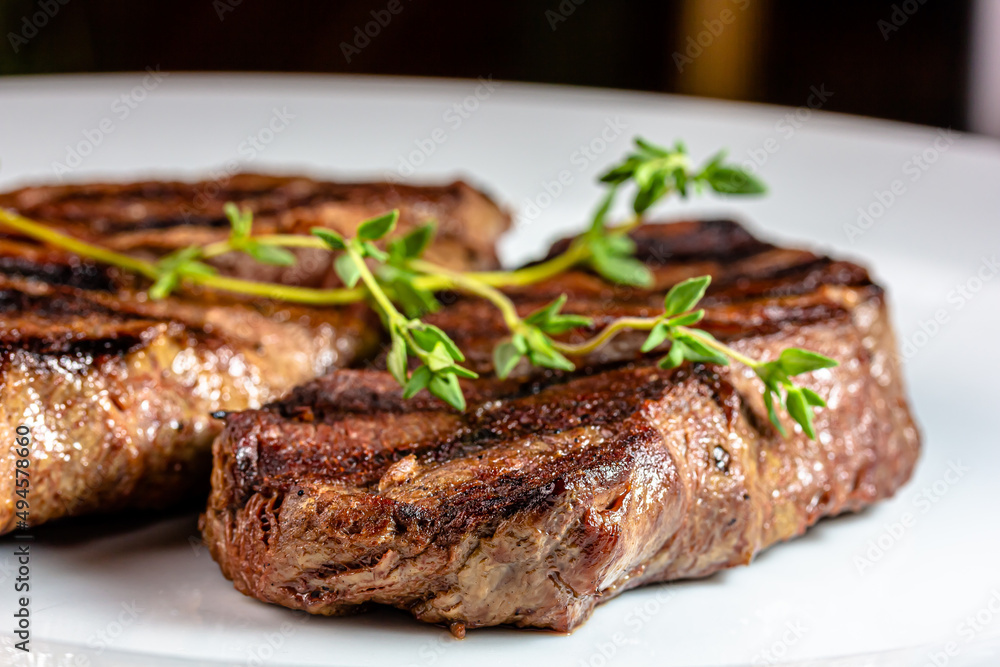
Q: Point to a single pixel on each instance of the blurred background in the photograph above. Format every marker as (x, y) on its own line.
(934, 62)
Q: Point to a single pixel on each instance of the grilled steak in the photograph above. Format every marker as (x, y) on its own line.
(155, 217)
(117, 390)
(554, 491)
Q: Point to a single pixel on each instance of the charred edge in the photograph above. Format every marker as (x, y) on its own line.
(80, 275)
(68, 318)
(102, 207)
(483, 508)
(87, 351)
(605, 403)
(52, 305)
(822, 271)
(789, 281)
(718, 240)
(240, 461)
(797, 316)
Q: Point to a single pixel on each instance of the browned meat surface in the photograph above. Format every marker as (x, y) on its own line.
(117, 390)
(757, 288)
(555, 492)
(154, 217)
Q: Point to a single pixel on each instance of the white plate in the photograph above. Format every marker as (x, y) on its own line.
(125, 593)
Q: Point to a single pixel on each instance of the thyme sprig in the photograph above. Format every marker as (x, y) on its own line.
(401, 286)
(438, 357)
(697, 345)
(655, 172)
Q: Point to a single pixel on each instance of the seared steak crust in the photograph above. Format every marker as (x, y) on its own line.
(117, 390)
(554, 492)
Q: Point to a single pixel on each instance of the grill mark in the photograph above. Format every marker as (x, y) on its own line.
(703, 240)
(54, 305)
(712, 240)
(790, 280)
(726, 320)
(156, 192)
(153, 223)
(492, 498)
(563, 403)
(735, 289)
(105, 207)
(517, 491)
(75, 354)
(66, 322)
(81, 275)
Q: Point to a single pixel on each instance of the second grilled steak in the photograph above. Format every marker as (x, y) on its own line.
(116, 390)
(555, 492)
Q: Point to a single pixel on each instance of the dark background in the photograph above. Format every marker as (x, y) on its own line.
(770, 51)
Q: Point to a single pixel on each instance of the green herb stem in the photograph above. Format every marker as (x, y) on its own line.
(394, 319)
(621, 230)
(529, 275)
(290, 293)
(606, 334)
(645, 324)
(280, 240)
(48, 235)
(577, 253)
(392, 315)
(434, 279)
(472, 283)
(721, 347)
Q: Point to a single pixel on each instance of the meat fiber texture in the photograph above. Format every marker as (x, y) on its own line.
(554, 492)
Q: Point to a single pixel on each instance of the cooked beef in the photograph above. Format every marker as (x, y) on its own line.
(757, 288)
(154, 217)
(117, 390)
(555, 491)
